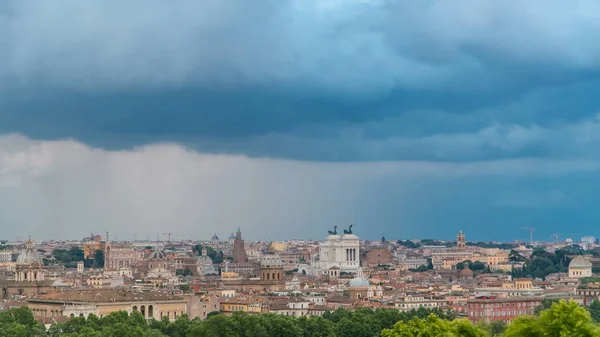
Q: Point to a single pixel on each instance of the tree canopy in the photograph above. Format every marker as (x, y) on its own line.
(433, 326)
(362, 322)
(409, 244)
(560, 319)
(19, 322)
(543, 263)
(215, 256)
(69, 257)
(474, 266)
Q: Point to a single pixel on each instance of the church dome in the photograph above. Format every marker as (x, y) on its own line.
(580, 262)
(466, 272)
(29, 256)
(204, 260)
(359, 282)
(271, 260)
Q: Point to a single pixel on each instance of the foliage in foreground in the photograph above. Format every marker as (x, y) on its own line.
(19, 322)
(562, 319)
(362, 322)
(433, 326)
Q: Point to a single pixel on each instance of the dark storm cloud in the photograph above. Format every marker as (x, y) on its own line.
(406, 117)
(315, 80)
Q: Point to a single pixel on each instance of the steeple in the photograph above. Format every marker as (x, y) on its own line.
(461, 241)
(238, 252)
(29, 243)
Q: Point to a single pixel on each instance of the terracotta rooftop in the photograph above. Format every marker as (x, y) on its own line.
(339, 299)
(278, 306)
(504, 299)
(105, 296)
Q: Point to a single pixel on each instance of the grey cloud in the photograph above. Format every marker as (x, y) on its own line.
(403, 116)
(534, 199)
(577, 140)
(457, 80)
(351, 45)
(51, 187)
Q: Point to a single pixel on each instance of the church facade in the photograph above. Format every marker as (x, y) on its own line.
(29, 279)
(120, 256)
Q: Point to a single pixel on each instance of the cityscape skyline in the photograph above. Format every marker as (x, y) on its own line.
(526, 237)
(299, 168)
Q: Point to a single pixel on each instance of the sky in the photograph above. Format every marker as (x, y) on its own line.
(408, 119)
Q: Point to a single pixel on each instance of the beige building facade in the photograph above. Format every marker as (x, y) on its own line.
(102, 303)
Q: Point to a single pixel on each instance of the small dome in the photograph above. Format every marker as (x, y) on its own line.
(359, 282)
(29, 256)
(158, 254)
(215, 237)
(271, 260)
(204, 260)
(465, 272)
(580, 262)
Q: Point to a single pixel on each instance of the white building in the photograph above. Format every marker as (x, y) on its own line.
(588, 239)
(294, 284)
(580, 267)
(342, 253)
(5, 256)
(413, 302)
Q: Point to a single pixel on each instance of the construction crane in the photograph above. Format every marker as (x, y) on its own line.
(558, 236)
(169, 234)
(530, 229)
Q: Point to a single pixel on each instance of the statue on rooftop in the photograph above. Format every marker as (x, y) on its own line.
(334, 231)
(349, 230)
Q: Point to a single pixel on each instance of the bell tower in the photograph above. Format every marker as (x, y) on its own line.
(461, 241)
